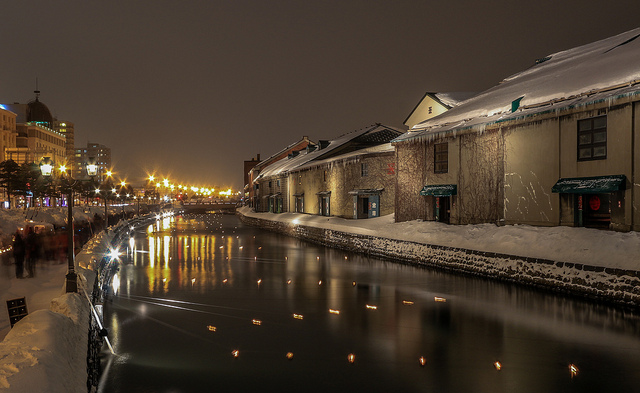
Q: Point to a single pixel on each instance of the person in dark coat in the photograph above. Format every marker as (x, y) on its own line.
(18, 253)
(32, 246)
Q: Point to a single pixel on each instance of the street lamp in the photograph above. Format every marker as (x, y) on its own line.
(92, 167)
(92, 170)
(46, 168)
(106, 196)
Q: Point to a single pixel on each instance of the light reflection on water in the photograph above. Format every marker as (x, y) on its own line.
(186, 275)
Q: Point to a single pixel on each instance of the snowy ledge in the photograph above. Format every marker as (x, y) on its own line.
(582, 261)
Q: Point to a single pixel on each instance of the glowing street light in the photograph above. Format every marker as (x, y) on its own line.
(92, 167)
(46, 166)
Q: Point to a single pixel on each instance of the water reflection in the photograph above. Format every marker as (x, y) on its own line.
(196, 289)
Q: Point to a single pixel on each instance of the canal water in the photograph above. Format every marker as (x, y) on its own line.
(203, 303)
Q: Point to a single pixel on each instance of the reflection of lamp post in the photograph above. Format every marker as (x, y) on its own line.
(46, 168)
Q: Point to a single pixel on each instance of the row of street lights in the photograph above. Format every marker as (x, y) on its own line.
(47, 169)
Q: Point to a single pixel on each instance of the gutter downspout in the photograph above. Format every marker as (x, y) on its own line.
(634, 181)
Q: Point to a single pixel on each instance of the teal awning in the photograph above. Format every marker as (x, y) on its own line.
(442, 190)
(590, 185)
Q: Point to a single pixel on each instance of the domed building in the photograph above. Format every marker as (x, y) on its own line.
(36, 135)
(39, 113)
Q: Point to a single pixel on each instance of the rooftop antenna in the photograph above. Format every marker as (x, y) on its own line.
(36, 90)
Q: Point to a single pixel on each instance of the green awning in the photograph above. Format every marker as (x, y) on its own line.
(590, 185)
(442, 190)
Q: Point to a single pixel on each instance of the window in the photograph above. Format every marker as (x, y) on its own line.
(441, 158)
(592, 139)
(324, 176)
(364, 169)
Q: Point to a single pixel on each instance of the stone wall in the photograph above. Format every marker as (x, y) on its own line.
(605, 284)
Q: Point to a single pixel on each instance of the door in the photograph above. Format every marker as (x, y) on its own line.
(374, 206)
(596, 210)
(442, 211)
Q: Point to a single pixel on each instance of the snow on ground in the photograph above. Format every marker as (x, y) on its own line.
(51, 346)
(566, 244)
(38, 291)
(45, 351)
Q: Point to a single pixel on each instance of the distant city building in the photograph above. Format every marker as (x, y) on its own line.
(100, 153)
(34, 142)
(67, 129)
(8, 131)
(35, 135)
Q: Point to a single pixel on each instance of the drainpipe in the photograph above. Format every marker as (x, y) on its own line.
(634, 181)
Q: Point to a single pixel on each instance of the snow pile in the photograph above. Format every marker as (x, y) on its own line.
(46, 351)
(87, 260)
(564, 244)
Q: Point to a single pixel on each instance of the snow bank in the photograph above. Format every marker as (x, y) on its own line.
(46, 351)
(566, 244)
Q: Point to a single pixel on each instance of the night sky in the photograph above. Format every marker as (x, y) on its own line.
(191, 89)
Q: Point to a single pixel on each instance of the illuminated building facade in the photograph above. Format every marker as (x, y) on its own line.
(34, 142)
(67, 129)
(35, 134)
(7, 130)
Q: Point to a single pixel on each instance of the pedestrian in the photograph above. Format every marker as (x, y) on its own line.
(18, 253)
(32, 247)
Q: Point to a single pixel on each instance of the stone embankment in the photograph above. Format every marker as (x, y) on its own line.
(601, 283)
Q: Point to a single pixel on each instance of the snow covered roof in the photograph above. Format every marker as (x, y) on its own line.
(596, 71)
(280, 153)
(384, 148)
(454, 98)
(375, 134)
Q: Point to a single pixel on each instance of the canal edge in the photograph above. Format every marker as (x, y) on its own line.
(619, 287)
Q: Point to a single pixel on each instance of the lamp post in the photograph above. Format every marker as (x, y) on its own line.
(92, 169)
(106, 196)
(46, 168)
